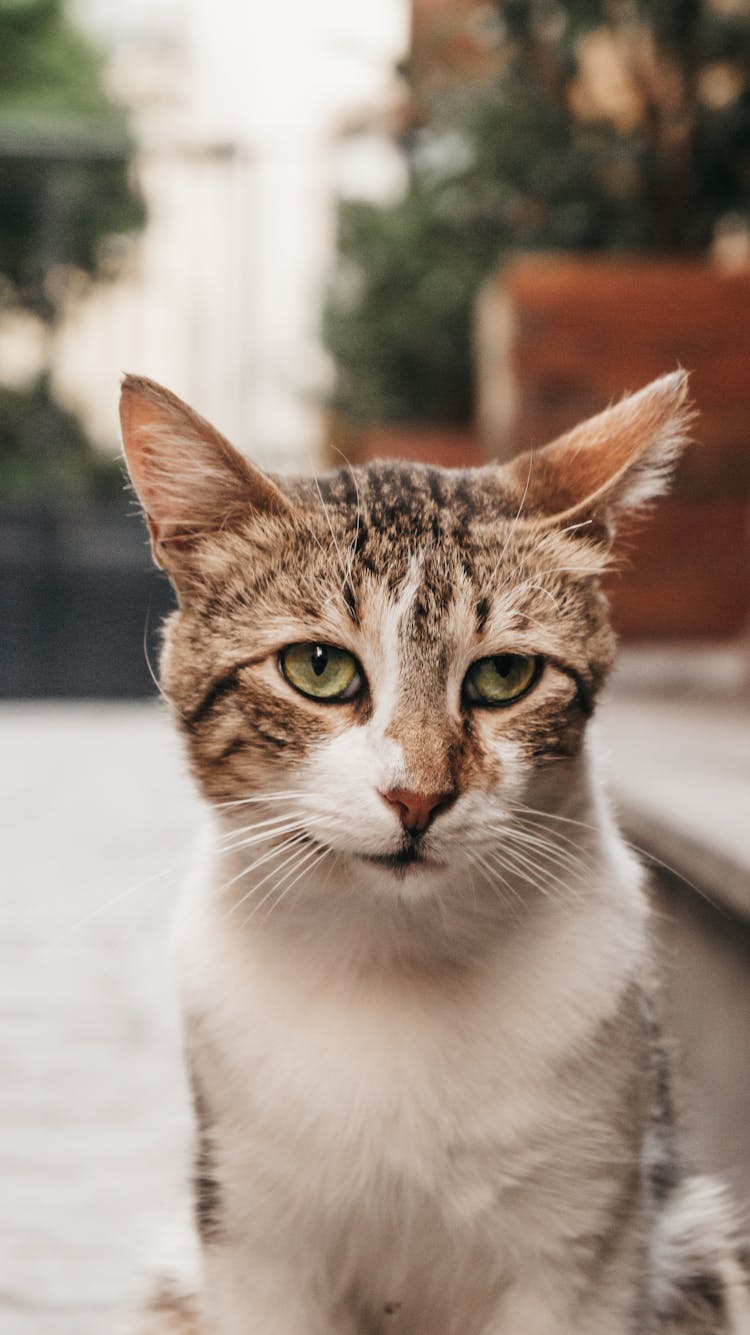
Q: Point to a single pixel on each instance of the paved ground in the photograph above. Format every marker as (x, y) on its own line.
(681, 772)
(93, 1115)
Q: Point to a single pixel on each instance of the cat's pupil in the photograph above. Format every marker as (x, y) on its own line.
(319, 660)
(504, 664)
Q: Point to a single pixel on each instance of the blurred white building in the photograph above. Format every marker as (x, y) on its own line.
(238, 108)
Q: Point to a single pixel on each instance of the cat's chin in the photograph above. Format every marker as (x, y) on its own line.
(407, 862)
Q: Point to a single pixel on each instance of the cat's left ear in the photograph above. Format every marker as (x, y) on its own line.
(612, 463)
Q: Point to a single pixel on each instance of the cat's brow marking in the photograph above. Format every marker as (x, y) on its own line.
(349, 593)
(342, 564)
(219, 688)
(482, 611)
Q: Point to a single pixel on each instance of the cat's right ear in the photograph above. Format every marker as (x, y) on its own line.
(615, 462)
(189, 479)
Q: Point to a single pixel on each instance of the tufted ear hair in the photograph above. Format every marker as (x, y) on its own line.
(189, 479)
(614, 462)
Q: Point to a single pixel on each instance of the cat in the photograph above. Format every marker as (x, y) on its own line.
(431, 1096)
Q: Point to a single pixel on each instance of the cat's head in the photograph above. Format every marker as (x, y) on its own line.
(398, 660)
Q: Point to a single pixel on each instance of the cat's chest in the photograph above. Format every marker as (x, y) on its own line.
(396, 1076)
(390, 1048)
(403, 1075)
(362, 1105)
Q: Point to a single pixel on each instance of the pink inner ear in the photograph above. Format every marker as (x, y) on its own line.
(140, 421)
(617, 459)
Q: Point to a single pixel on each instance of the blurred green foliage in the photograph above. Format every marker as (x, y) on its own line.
(45, 455)
(601, 125)
(64, 150)
(46, 66)
(66, 189)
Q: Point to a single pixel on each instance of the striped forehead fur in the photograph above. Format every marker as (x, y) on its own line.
(339, 546)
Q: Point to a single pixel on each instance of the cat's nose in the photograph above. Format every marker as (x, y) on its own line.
(417, 810)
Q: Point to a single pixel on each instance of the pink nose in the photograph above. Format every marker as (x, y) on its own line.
(417, 810)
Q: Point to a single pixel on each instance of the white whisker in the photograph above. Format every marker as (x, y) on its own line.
(245, 840)
(342, 564)
(279, 796)
(556, 837)
(296, 843)
(537, 867)
(502, 862)
(300, 858)
(554, 815)
(492, 874)
(515, 522)
(534, 873)
(571, 528)
(546, 592)
(108, 904)
(303, 868)
(271, 853)
(269, 822)
(568, 852)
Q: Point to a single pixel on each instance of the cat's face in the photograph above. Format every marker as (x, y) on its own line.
(393, 663)
(400, 633)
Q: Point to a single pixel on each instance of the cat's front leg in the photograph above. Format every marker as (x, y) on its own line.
(258, 1296)
(266, 1266)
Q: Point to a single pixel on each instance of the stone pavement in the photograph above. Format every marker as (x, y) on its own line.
(680, 773)
(94, 1121)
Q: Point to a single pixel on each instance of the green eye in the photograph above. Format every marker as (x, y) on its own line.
(502, 679)
(321, 671)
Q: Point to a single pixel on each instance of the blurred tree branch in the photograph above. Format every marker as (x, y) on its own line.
(65, 159)
(598, 125)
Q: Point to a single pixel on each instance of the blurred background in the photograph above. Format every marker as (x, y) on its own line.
(440, 228)
(436, 229)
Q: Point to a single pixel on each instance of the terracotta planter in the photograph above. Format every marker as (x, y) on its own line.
(561, 337)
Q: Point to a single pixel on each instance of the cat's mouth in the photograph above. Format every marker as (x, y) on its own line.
(410, 857)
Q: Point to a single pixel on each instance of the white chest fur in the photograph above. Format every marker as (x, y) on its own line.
(357, 1106)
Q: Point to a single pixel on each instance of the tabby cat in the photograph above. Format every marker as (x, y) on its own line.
(430, 1093)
